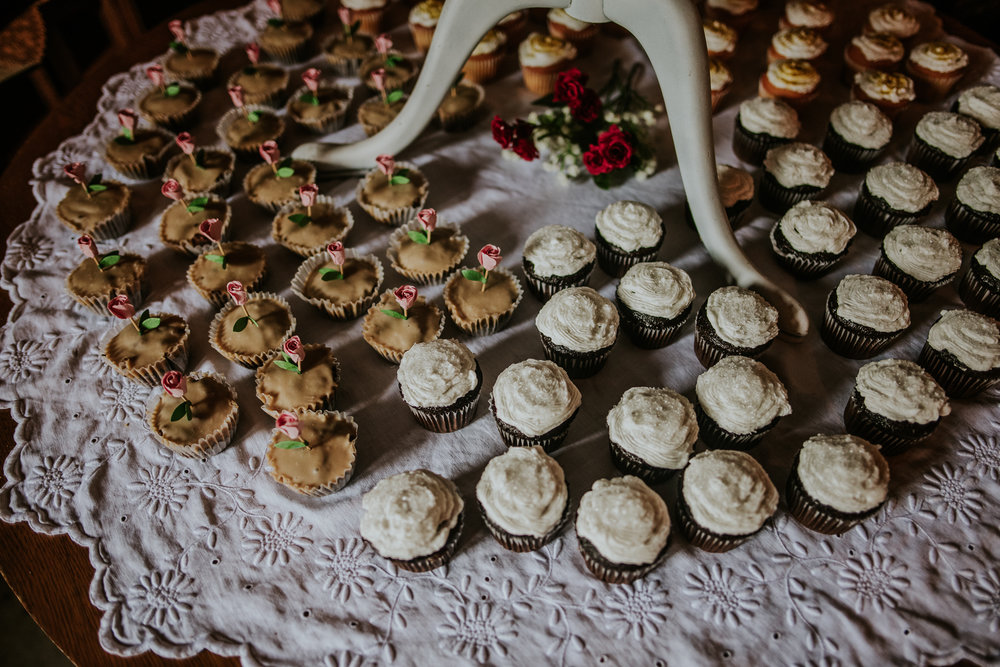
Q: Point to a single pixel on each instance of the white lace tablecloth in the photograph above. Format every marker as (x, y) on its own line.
(218, 556)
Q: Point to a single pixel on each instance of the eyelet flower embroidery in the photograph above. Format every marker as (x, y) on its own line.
(26, 252)
(986, 598)
(983, 452)
(95, 363)
(54, 481)
(271, 541)
(160, 491)
(344, 569)
(162, 598)
(873, 579)
(22, 359)
(124, 400)
(723, 595)
(472, 631)
(344, 659)
(638, 608)
(951, 495)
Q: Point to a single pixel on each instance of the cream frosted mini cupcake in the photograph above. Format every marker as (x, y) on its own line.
(413, 519)
(793, 172)
(739, 401)
(962, 352)
(806, 14)
(652, 431)
(720, 80)
(980, 287)
(857, 135)
(724, 499)
(761, 124)
(982, 104)
(919, 259)
(423, 21)
(864, 315)
(943, 143)
(734, 321)
(628, 232)
(542, 57)
(893, 194)
(894, 19)
(654, 301)
(440, 381)
(484, 62)
(523, 499)
(556, 257)
(368, 12)
(793, 80)
(889, 91)
(811, 238)
(796, 43)
(734, 12)
(623, 529)
(720, 39)
(895, 404)
(578, 328)
(878, 51)
(578, 33)
(534, 403)
(837, 481)
(974, 214)
(935, 68)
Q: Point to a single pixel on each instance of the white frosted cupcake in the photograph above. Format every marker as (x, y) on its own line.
(654, 301)
(578, 328)
(893, 194)
(739, 401)
(798, 43)
(793, 80)
(623, 529)
(980, 286)
(893, 18)
(534, 403)
(878, 51)
(734, 321)
(811, 238)
(523, 498)
(806, 14)
(895, 404)
(720, 39)
(628, 232)
(889, 91)
(652, 431)
(440, 381)
(579, 33)
(423, 20)
(974, 214)
(724, 499)
(484, 62)
(736, 13)
(793, 172)
(944, 142)
(935, 68)
(761, 124)
(542, 58)
(556, 257)
(919, 259)
(864, 315)
(857, 135)
(982, 104)
(736, 191)
(837, 481)
(962, 352)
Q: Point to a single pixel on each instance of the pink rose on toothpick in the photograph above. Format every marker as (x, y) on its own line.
(236, 95)
(311, 78)
(378, 80)
(176, 28)
(386, 164)
(288, 424)
(294, 354)
(171, 189)
(383, 43)
(270, 152)
(155, 74)
(128, 120)
(175, 384)
(211, 229)
(253, 53)
(338, 256)
(405, 296)
(185, 143)
(76, 171)
(308, 193)
(275, 6)
(489, 257)
(87, 246)
(428, 220)
(239, 296)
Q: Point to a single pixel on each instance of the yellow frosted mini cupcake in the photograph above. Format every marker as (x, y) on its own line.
(542, 57)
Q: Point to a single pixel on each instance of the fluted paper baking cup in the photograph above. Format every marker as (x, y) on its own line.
(616, 573)
(174, 358)
(291, 53)
(252, 100)
(543, 287)
(630, 464)
(198, 243)
(439, 557)
(113, 226)
(514, 437)
(703, 538)
(330, 122)
(802, 265)
(248, 360)
(978, 295)
(391, 216)
(221, 187)
(322, 403)
(399, 235)
(716, 437)
(649, 331)
(275, 206)
(247, 151)
(576, 364)
(970, 225)
(874, 217)
(306, 251)
(616, 262)
(208, 445)
(813, 514)
(482, 69)
(894, 437)
(390, 354)
(318, 490)
(172, 122)
(523, 543)
(957, 379)
(462, 120)
(850, 341)
(220, 297)
(916, 290)
(483, 326)
(338, 311)
(449, 418)
(147, 166)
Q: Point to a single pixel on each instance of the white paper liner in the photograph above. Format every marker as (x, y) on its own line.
(152, 374)
(326, 403)
(486, 325)
(325, 125)
(455, 122)
(301, 249)
(187, 245)
(221, 187)
(208, 445)
(275, 206)
(170, 122)
(248, 360)
(400, 234)
(111, 227)
(220, 297)
(246, 151)
(99, 304)
(346, 67)
(389, 354)
(338, 311)
(387, 216)
(149, 165)
(313, 490)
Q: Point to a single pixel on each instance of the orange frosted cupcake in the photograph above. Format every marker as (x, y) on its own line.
(935, 68)
(889, 91)
(542, 57)
(794, 81)
(720, 39)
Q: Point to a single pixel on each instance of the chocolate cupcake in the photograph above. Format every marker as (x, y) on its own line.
(323, 111)
(578, 328)
(857, 136)
(272, 186)
(736, 191)
(180, 223)
(810, 238)
(836, 482)
(651, 431)
(982, 104)
(895, 404)
(793, 172)
(980, 287)
(460, 107)
(196, 65)
(325, 462)
(556, 257)
(761, 124)
(962, 352)
(654, 301)
(943, 143)
(212, 416)
(171, 106)
(623, 529)
(145, 355)
(400, 71)
(864, 315)
(893, 194)
(284, 384)
(734, 321)
(346, 49)
(141, 155)
(919, 259)
(440, 382)
(286, 41)
(628, 232)
(534, 403)
(974, 214)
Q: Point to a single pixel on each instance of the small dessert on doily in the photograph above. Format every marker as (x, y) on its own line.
(283, 39)
(217, 266)
(578, 328)
(346, 48)
(542, 58)
(399, 71)
(654, 301)
(761, 124)
(298, 377)
(651, 432)
(484, 61)
(889, 91)
(339, 282)
(276, 182)
(393, 192)
(148, 346)
(534, 403)
(523, 498)
(101, 277)
(974, 214)
(248, 328)
(195, 416)
(481, 301)
(200, 170)
(319, 107)
(857, 135)
(935, 68)
(864, 315)
(919, 259)
(627, 232)
(399, 320)
(425, 251)
(793, 172)
(260, 83)
(556, 257)
(893, 194)
(962, 352)
(811, 238)
(440, 382)
(246, 128)
(980, 286)
(98, 208)
(415, 536)
(422, 21)
(169, 104)
(310, 224)
(623, 529)
(137, 153)
(313, 452)
(196, 64)
(944, 143)
(734, 321)
(181, 222)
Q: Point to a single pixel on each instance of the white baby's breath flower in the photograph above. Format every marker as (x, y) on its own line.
(630, 117)
(576, 150)
(648, 117)
(548, 166)
(533, 117)
(641, 176)
(563, 179)
(568, 159)
(573, 170)
(509, 154)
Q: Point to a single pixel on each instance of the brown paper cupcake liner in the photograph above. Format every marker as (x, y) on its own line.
(422, 36)
(716, 437)
(851, 340)
(197, 244)
(630, 464)
(371, 20)
(576, 364)
(221, 186)
(543, 287)
(816, 516)
(149, 165)
(247, 151)
(113, 226)
(449, 418)
(419, 277)
(648, 331)
(484, 326)
(802, 265)
(542, 80)
(318, 490)
(976, 292)
(321, 404)
(938, 164)
(177, 121)
(751, 147)
(933, 88)
(275, 206)
(99, 304)
(342, 65)
(703, 538)
(291, 54)
(393, 355)
(916, 290)
(462, 120)
(957, 379)
(203, 78)
(776, 198)
(894, 437)
(174, 359)
(330, 122)
(875, 218)
(581, 39)
(710, 348)
(482, 69)
(439, 557)
(616, 573)
(523, 543)
(308, 251)
(220, 297)
(970, 225)
(393, 217)
(338, 311)
(265, 101)
(208, 445)
(514, 437)
(847, 157)
(616, 262)
(248, 360)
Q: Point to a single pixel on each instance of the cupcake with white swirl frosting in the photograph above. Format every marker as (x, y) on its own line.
(893, 194)
(806, 14)
(654, 301)
(628, 232)
(811, 238)
(857, 135)
(578, 328)
(935, 68)
(974, 214)
(982, 104)
(980, 287)
(889, 91)
(894, 19)
(734, 321)
(720, 39)
(578, 33)
(944, 142)
(864, 315)
(878, 51)
(793, 172)
(962, 352)
(652, 431)
(761, 124)
(793, 80)
(556, 257)
(534, 403)
(440, 381)
(423, 20)
(796, 43)
(919, 259)
(523, 498)
(542, 57)
(739, 401)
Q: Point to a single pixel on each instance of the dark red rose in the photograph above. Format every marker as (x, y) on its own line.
(525, 148)
(616, 147)
(569, 86)
(593, 160)
(588, 108)
(503, 132)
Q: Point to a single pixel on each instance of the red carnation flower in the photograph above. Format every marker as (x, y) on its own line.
(594, 161)
(616, 147)
(524, 145)
(569, 86)
(588, 108)
(503, 132)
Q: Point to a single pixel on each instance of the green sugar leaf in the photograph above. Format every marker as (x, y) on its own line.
(250, 71)
(199, 158)
(393, 313)
(182, 410)
(172, 90)
(290, 444)
(178, 47)
(285, 172)
(275, 23)
(309, 98)
(241, 324)
(355, 26)
(330, 274)
(144, 315)
(394, 96)
(392, 60)
(110, 259)
(300, 219)
(288, 366)
(218, 259)
(398, 179)
(418, 236)
(95, 179)
(473, 275)
(150, 323)
(123, 140)
(96, 188)
(253, 116)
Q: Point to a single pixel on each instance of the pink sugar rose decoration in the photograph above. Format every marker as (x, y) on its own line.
(171, 189)
(128, 120)
(177, 30)
(275, 6)
(155, 74)
(307, 193)
(237, 292)
(185, 142)
(344, 14)
(253, 53)
(288, 424)
(337, 253)
(383, 43)
(121, 307)
(405, 296)
(174, 384)
(489, 257)
(77, 171)
(428, 219)
(211, 228)
(236, 95)
(87, 246)
(270, 152)
(293, 348)
(386, 164)
(311, 78)
(378, 79)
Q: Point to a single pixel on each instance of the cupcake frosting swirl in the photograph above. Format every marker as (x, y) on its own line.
(579, 318)
(808, 14)
(735, 184)
(630, 225)
(813, 226)
(951, 133)
(523, 491)
(901, 390)
(534, 396)
(625, 520)
(741, 395)
(889, 86)
(561, 17)
(939, 56)
(765, 115)
(843, 472)
(902, 186)
(972, 338)
(656, 424)
(557, 250)
(798, 76)
(657, 289)
(926, 254)
(437, 373)
(981, 103)
(410, 514)
(728, 492)
(893, 19)
(719, 75)
(872, 302)
(741, 317)
(426, 13)
(988, 256)
(544, 50)
(979, 189)
(879, 47)
(794, 164)
(804, 43)
(719, 37)
(491, 42)
(862, 124)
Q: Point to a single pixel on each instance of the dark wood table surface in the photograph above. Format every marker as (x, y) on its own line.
(51, 574)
